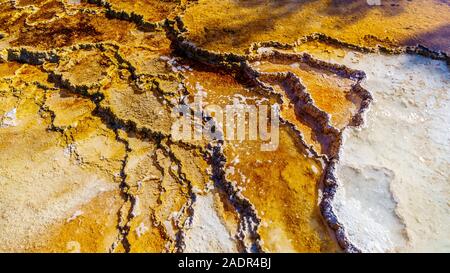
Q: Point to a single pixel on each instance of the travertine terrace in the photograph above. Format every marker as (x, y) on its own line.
(89, 163)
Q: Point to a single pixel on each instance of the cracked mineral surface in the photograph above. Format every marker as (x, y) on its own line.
(89, 161)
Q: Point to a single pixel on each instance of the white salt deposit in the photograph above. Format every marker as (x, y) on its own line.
(395, 172)
(9, 119)
(208, 233)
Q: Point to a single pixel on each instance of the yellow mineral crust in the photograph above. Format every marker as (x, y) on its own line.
(91, 228)
(146, 59)
(73, 29)
(8, 70)
(220, 89)
(145, 108)
(79, 174)
(150, 226)
(193, 165)
(70, 108)
(47, 11)
(84, 67)
(233, 25)
(24, 3)
(285, 197)
(330, 92)
(150, 10)
(89, 162)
